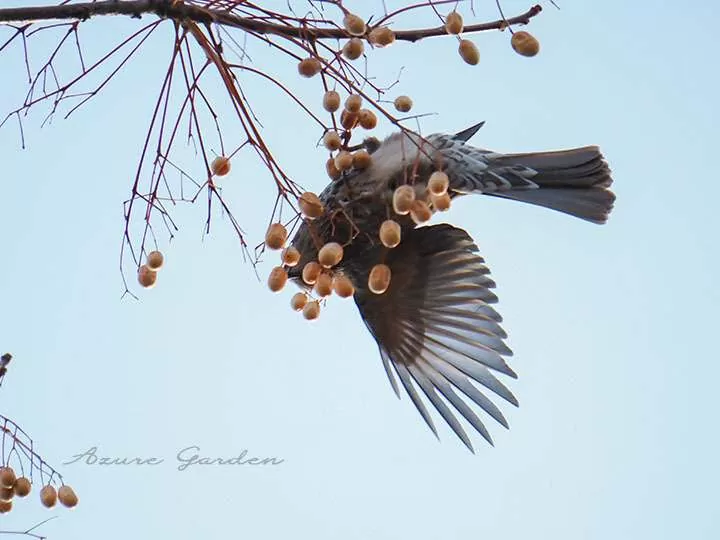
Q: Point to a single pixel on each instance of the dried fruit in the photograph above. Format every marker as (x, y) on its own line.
(276, 236)
(277, 279)
(331, 101)
(146, 276)
(403, 198)
(332, 140)
(220, 166)
(22, 487)
(342, 286)
(353, 103)
(330, 254)
(420, 211)
(310, 272)
(309, 67)
(323, 285)
(390, 233)
(403, 103)
(290, 256)
(332, 171)
(367, 119)
(349, 120)
(155, 260)
(298, 301)
(311, 311)
(469, 52)
(441, 202)
(381, 36)
(438, 183)
(454, 23)
(5, 507)
(310, 205)
(354, 25)
(379, 279)
(361, 159)
(7, 477)
(48, 496)
(6, 493)
(344, 160)
(353, 49)
(525, 43)
(67, 496)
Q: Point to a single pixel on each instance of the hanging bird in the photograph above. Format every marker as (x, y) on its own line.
(435, 325)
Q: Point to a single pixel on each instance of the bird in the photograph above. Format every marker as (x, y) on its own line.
(435, 325)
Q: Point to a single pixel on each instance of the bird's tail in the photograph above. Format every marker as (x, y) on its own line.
(575, 182)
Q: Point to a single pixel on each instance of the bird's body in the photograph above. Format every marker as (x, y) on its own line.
(435, 326)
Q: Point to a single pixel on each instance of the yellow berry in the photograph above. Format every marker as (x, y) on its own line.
(330, 254)
(343, 161)
(332, 141)
(361, 159)
(420, 211)
(276, 236)
(349, 120)
(290, 256)
(277, 279)
(5, 507)
(403, 198)
(390, 233)
(309, 67)
(298, 301)
(381, 36)
(147, 277)
(310, 205)
(311, 311)
(155, 260)
(367, 118)
(454, 23)
(310, 272)
(220, 166)
(403, 104)
(342, 286)
(354, 25)
(7, 477)
(379, 278)
(353, 49)
(440, 202)
(331, 101)
(438, 183)
(525, 43)
(353, 103)
(48, 496)
(22, 487)
(323, 285)
(469, 52)
(67, 496)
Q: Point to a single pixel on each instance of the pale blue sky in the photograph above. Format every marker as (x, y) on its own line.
(613, 327)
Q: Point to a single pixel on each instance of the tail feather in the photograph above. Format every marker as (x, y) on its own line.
(571, 181)
(591, 204)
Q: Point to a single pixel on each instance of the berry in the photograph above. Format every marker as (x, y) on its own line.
(220, 166)
(469, 52)
(379, 278)
(403, 104)
(525, 43)
(276, 236)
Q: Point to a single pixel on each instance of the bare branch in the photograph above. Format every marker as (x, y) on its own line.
(179, 11)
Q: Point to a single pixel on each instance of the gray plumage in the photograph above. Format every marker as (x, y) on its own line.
(436, 328)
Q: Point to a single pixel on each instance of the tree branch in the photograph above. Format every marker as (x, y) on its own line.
(178, 11)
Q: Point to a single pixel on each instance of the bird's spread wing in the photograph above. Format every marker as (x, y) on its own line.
(436, 329)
